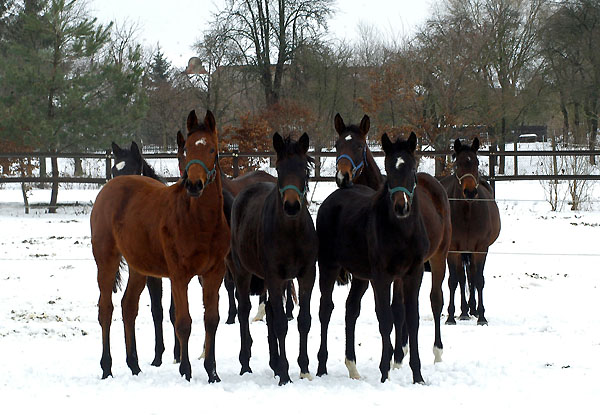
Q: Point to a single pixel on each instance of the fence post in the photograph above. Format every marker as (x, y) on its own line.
(236, 163)
(108, 171)
(516, 162)
(492, 163)
(318, 163)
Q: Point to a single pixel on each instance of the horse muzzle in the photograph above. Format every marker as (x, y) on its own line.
(291, 208)
(343, 179)
(402, 209)
(194, 189)
(470, 193)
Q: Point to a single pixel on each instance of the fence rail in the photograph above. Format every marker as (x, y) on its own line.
(235, 157)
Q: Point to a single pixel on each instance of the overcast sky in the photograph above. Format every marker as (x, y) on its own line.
(177, 24)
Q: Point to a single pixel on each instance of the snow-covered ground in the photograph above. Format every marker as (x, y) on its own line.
(540, 351)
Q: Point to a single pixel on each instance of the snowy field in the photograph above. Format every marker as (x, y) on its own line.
(540, 351)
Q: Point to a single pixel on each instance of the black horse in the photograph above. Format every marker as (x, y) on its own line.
(355, 165)
(475, 226)
(131, 162)
(381, 237)
(273, 237)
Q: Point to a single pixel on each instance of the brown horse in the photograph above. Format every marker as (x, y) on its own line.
(235, 186)
(356, 165)
(475, 226)
(177, 231)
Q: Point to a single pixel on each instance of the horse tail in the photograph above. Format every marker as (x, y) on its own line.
(466, 260)
(344, 278)
(257, 285)
(117, 286)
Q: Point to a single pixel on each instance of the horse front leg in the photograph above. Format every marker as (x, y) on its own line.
(357, 291)
(306, 283)
(383, 309)
(130, 307)
(211, 283)
(327, 277)
(183, 320)
(176, 343)
(454, 265)
(412, 286)
(155, 290)
(242, 283)
(479, 282)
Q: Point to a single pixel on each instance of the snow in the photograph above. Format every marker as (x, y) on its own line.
(540, 351)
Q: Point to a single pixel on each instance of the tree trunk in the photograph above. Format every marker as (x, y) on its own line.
(54, 195)
(25, 198)
(502, 145)
(42, 185)
(577, 124)
(565, 128)
(78, 167)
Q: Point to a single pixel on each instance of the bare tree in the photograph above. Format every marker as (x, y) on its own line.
(267, 33)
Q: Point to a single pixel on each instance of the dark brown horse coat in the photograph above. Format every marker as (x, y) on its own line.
(178, 231)
(475, 226)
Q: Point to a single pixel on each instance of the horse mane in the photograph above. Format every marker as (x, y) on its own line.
(148, 171)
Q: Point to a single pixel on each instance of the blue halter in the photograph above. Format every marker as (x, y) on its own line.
(355, 167)
(409, 193)
(295, 188)
(210, 174)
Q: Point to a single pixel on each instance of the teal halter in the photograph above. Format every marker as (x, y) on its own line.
(409, 193)
(291, 186)
(210, 174)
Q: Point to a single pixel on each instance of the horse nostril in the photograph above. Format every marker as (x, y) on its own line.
(291, 208)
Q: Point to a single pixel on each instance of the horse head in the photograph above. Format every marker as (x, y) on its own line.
(200, 153)
(401, 169)
(127, 162)
(467, 167)
(351, 150)
(292, 172)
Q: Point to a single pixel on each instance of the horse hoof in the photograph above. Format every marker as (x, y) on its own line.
(321, 372)
(230, 321)
(214, 379)
(451, 322)
(284, 381)
(107, 374)
(464, 317)
(156, 362)
(245, 370)
(306, 376)
(482, 322)
(290, 318)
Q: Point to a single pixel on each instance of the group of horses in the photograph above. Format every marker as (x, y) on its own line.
(256, 232)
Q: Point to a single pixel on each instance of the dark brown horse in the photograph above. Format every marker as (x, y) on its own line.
(354, 161)
(178, 231)
(355, 164)
(235, 186)
(383, 237)
(273, 237)
(475, 226)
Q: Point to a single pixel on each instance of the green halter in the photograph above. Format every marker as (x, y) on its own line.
(210, 174)
(291, 186)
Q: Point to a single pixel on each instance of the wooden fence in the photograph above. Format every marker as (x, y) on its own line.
(234, 158)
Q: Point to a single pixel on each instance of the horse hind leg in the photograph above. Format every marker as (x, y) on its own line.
(401, 343)
(290, 292)
(176, 344)
(212, 281)
(242, 283)
(465, 282)
(383, 309)
(278, 327)
(130, 307)
(107, 271)
(357, 290)
(230, 287)
(479, 283)
(306, 284)
(327, 278)
(454, 264)
(438, 271)
(155, 290)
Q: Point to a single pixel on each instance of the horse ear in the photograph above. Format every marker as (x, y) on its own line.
(412, 142)
(278, 143)
(135, 150)
(457, 145)
(180, 140)
(365, 124)
(209, 121)
(339, 123)
(386, 143)
(192, 120)
(115, 148)
(475, 145)
(303, 141)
